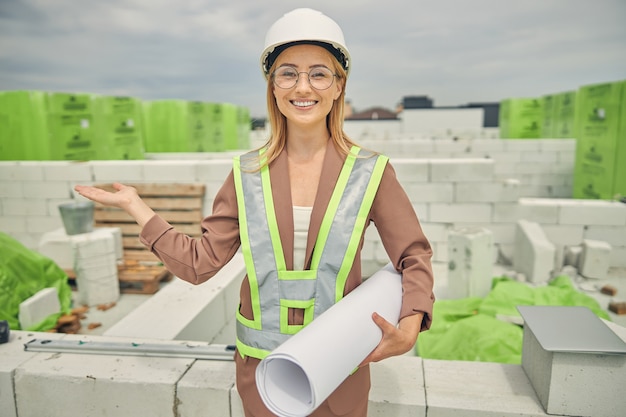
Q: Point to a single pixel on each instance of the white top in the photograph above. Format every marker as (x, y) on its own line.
(301, 220)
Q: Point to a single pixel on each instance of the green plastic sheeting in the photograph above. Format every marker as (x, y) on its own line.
(470, 329)
(23, 273)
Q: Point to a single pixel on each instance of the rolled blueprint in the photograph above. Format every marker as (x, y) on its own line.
(295, 378)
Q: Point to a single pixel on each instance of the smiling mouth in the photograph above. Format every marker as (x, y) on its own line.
(303, 103)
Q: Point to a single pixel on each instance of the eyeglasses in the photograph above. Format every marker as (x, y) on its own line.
(320, 78)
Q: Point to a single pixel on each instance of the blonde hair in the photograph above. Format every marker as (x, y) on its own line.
(278, 122)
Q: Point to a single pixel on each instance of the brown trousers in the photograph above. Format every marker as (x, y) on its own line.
(348, 400)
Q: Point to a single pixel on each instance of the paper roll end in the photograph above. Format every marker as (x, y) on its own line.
(285, 388)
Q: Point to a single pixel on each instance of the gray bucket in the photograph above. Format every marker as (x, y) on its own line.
(77, 217)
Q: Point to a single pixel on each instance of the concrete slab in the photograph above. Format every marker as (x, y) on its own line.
(534, 254)
(576, 365)
(479, 389)
(205, 389)
(36, 308)
(470, 259)
(397, 388)
(595, 258)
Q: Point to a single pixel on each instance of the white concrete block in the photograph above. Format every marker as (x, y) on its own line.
(170, 171)
(214, 170)
(12, 355)
(522, 145)
(39, 306)
(592, 212)
(479, 389)
(460, 212)
(570, 381)
(98, 386)
(57, 245)
(461, 170)
(77, 172)
(430, 192)
(571, 256)
(11, 189)
(105, 290)
(595, 259)
(21, 171)
(11, 224)
(470, 262)
(613, 235)
(24, 207)
(124, 171)
(618, 257)
(205, 390)
(512, 212)
(561, 234)
(37, 224)
(487, 145)
(436, 231)
(440, 251)
(534, 254)
(97, 279)
(502, 233)
(535, 159)
(93, 244)
(47, 189)
(397, 388)
(507, 190)
(411, 170)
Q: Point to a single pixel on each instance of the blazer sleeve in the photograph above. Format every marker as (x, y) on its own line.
(197, 259)
(407, 247)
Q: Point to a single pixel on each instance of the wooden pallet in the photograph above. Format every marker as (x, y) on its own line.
(142, 279)
(179, 204)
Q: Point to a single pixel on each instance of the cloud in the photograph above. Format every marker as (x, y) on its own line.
(452, 50)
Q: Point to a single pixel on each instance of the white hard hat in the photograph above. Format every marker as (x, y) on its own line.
(304, 26)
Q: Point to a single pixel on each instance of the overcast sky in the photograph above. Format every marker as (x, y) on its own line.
(454, 51)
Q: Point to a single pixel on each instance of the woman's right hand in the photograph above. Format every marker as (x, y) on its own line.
(126, 198)
(122, 198)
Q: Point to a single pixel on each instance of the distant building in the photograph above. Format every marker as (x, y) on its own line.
(375, 113)
(417, 102)
(491, 113)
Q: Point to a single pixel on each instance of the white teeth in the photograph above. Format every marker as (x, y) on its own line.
(303, 103)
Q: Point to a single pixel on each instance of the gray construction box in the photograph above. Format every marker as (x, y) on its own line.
(574, 361)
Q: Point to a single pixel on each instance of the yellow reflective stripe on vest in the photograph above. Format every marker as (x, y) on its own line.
(271, 219)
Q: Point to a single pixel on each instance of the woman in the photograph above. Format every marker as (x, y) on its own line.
(298, 208)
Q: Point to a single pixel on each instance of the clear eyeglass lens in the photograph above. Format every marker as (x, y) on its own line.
(320, 78)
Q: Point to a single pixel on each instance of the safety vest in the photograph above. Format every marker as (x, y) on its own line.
(274, 289)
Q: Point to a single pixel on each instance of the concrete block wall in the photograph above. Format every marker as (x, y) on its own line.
(456, 193)
(448, 192)
(544, 167)
(56, 384)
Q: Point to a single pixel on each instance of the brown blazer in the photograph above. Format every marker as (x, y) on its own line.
(197, 260)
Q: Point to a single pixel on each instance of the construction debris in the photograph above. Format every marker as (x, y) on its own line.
(618, 307)
(107, 306)
(608, 290)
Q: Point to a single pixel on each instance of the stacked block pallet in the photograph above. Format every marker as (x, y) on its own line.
(179, 204)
